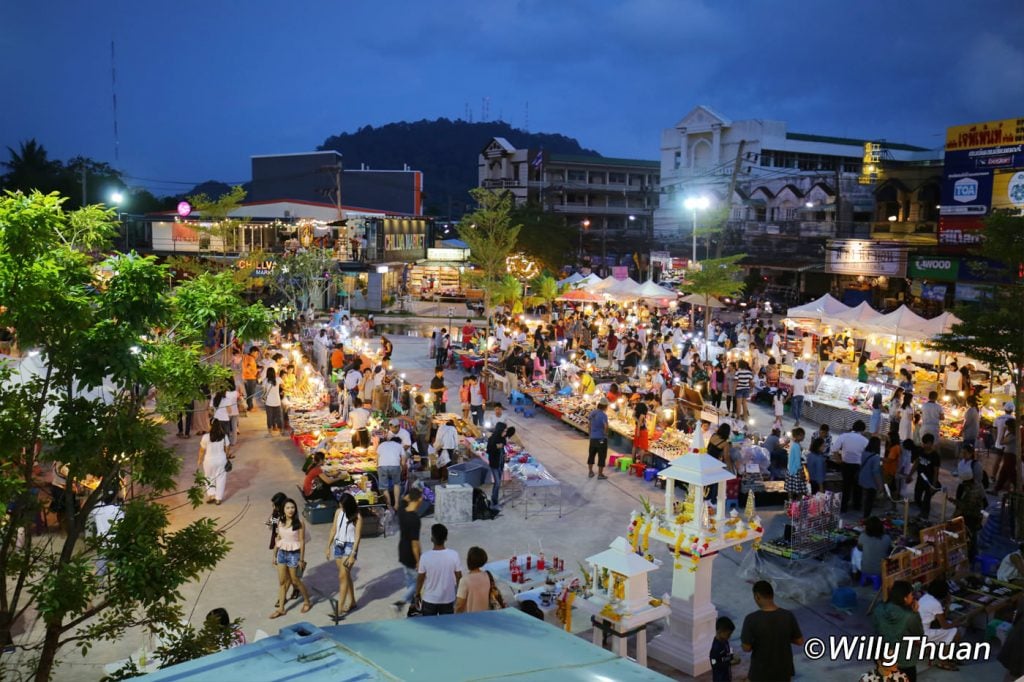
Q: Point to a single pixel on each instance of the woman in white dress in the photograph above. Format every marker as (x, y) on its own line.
(213, 460)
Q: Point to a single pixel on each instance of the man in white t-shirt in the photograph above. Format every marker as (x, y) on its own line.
(358, 419)
(850, 448)
(440, 571)
(397, 431)
(390, 462)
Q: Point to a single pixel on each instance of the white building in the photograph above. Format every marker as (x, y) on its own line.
(778, 175)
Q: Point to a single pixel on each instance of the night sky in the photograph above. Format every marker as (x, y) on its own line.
(203, 85)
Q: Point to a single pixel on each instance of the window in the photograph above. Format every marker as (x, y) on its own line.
(827, 163)
(616, 178)
(678, 160)
(597, 178)
(577, 176)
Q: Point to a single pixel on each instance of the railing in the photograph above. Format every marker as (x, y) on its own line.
(599, 210)
(502, 183)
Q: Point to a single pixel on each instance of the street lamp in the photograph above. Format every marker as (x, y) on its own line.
(116, 198)
(585, 225)
(695, 204)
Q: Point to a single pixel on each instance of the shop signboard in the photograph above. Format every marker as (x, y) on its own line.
(403, 238)
(984, 135)
(448, 254)
(958, 233)
(1008, 189)
(970, 292)
(936, 268)
(966, 192)
(982, 270)
(863, 257)
(260, 268)
(933, 292)
(620, 271)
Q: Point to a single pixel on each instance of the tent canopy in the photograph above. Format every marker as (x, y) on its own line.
(571, 279)
(651, 290)
(699, 299)
(942, 324)
(617, 287)
(902, 322)
(816, 310)
(851, 317)
(589, 280)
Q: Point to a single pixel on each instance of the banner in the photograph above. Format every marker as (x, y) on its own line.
(989, 134)
(620, 271)
(1008, 189)
(862, 257)
(937, 268)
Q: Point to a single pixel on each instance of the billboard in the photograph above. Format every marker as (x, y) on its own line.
(981, 173)
(863, 257)
(937, 268)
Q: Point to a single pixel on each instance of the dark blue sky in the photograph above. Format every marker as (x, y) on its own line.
(203, 85)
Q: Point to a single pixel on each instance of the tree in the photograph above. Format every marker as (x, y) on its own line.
(544, 236)
(545, 290)
(490, 234)
(717, 277)
(30, 167)
(507, 291)
(992, 331)
(89, 322)
(304, 277)
(217, 211)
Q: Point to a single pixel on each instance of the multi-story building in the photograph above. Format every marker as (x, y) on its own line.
(609, 201)
(792, 193)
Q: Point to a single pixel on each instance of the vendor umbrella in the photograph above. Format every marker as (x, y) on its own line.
(581, 296)
(698, 299)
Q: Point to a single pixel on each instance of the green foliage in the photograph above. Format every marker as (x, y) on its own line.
(300, 278)
(993, 331)
(91, 321)
(545, 289)
(717, 277)
(544, 236)
(217, 211)
(507, 291)
(490, 234)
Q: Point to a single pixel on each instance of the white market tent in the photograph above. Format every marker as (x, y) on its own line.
(816, 310)
(942, 324)
(618, 289)
(851, 317)
(571, 279)
(33, 366)
(651, 290)
(902, 322)
(589, 280)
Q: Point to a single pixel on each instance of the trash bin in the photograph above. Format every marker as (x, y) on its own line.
(472, 473)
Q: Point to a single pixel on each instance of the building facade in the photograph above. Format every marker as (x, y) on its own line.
(786, 198)
(610, 202)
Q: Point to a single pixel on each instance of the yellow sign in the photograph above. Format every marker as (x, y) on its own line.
(1008, 189)
(981, 135)
(869, 170)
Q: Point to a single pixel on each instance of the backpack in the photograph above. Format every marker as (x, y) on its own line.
(481, 508)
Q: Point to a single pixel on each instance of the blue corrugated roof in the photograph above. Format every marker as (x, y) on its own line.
(493, 645)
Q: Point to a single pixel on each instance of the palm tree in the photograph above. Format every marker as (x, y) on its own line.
(31, 168)
(508, 291)
(545, 291)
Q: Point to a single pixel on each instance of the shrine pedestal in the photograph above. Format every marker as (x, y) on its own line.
(685, 644)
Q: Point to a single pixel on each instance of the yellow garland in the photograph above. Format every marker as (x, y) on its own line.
(647, 535)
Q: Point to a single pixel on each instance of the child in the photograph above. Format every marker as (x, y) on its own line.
(816, 465)
(779, 403)
(721, 651)
(796, 483)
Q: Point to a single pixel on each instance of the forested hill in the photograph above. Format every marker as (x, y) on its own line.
(446, 151)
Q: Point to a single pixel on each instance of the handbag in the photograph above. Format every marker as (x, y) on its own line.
(495, 601)
(228, 466)
(415, 609)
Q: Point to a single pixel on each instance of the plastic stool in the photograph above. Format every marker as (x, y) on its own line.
(650, 473)
(625, 463)
(844, 598)
(613, 460)
(874, 578)
(986, 564)
(528, 413)
(519, 409)
(637, 469)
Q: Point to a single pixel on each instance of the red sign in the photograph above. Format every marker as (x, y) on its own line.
(958, 233)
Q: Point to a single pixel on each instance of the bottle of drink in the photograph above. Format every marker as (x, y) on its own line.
(529, 561)
(554, 562)
(540, 562)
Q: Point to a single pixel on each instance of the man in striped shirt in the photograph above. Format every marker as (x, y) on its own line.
(744, 384)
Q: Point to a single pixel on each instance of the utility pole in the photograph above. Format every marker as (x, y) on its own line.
(839, 195)
(728, 198)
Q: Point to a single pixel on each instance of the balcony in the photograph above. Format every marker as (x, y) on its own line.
(502, 183)
(583, 209)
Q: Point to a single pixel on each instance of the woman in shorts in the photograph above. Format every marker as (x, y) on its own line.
(343, 548)
(290, 557)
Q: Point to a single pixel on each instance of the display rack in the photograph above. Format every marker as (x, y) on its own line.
(813, 522)
(942, 553)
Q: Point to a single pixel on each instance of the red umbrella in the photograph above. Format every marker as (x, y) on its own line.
(581, 296)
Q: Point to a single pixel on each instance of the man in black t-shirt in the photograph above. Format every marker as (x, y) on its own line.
(409, 543)
(768, 634)
(437, 390)
(926, 465)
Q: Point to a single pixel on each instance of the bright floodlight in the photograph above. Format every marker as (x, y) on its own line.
(696, 203)
(117, 197)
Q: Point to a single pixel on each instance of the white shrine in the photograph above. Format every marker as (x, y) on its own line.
(695, 531)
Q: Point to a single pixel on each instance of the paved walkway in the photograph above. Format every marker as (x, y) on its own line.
(595, 512)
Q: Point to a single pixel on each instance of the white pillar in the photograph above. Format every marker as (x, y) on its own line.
(684, 645)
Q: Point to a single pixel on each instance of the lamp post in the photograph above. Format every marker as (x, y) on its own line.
(694, 204)
(585, 224)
